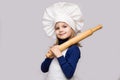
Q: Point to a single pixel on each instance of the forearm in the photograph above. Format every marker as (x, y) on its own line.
(67, 68)
(45, 65)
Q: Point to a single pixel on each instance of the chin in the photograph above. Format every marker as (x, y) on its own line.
(63, 37)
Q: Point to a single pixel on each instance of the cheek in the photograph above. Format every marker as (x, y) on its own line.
(69, 32)
(56, 32)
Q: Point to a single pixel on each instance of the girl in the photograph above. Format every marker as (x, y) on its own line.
(62, 20)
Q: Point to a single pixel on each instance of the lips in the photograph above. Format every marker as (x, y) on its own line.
(62, 34)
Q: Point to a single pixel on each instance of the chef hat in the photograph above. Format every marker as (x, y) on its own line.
(64, 12)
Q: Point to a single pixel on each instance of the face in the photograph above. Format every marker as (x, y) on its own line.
(63, 30)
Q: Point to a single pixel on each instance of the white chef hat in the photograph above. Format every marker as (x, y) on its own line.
(64, 12)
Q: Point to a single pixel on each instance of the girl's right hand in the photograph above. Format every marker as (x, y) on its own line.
(51, 55)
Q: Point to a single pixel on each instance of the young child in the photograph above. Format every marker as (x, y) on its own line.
(62, 21)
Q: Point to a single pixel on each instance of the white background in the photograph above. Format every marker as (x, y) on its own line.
(23, 43)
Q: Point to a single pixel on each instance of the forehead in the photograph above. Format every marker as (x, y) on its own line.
(61, 23)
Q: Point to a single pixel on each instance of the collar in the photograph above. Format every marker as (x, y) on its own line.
(60, 41)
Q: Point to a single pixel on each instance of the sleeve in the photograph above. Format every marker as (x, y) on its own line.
(69, 62)
(45, 65)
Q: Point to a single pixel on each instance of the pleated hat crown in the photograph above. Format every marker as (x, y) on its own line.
(64, 12)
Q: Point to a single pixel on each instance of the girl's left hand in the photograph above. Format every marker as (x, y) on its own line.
(56, 51)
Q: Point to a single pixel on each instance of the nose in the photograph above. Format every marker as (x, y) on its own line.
(61, 29)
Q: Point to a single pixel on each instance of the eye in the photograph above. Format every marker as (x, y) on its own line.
(64, 26)
(56, 28)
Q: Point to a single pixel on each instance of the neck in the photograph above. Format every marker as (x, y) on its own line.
(60, 41)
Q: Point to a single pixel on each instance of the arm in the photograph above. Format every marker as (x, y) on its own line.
(45, 64)
(69, 62)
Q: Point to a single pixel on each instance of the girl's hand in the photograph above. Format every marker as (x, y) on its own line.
(55, 50)
(51, 56)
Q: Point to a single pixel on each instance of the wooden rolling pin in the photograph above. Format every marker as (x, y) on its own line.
(76, 39)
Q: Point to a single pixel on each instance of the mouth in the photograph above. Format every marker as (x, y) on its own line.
(62, 34)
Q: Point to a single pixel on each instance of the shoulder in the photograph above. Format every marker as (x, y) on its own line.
(74, 47)
(73, 50)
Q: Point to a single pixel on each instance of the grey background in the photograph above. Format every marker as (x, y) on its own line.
(23, 43)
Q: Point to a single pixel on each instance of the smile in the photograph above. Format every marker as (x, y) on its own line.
(62, 34)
